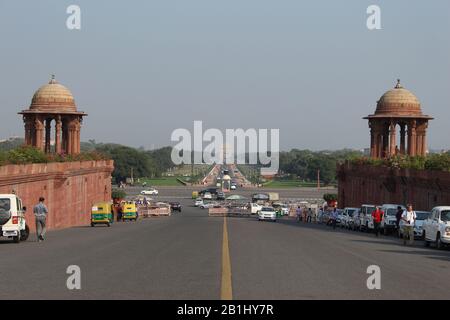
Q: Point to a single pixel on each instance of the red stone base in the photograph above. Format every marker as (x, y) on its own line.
(70, 189)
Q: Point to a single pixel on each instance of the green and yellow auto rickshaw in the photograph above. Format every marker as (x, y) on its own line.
(102, 214)
(129, 211)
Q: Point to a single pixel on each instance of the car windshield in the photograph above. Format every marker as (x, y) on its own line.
(391, 212)
(421, 215)
(5, 205)
(445, 215)
(350, 212)
(267, 209)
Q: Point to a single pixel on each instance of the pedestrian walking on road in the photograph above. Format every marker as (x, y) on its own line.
(40, 212)
(398, 217)
(408, 220)
(334, 217)
(298, 212)
(310, 213)
(377, 216)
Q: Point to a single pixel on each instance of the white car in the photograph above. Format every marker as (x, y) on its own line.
(198, 202)
(150, 192)
(347, 217)
(365, 216)
(418, 225)
(12, 218)
(208, 205)
(437, 227)
(267, 213)
(389, 222)
(233, 187)
(207, 196)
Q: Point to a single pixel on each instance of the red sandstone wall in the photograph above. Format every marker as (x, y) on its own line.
(362, 184)
(70, 189)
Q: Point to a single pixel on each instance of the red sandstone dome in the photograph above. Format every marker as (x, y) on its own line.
(53, 97)
(398, 102)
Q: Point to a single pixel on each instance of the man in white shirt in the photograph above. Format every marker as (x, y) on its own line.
(408, 220)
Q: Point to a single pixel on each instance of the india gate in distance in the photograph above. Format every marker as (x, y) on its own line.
(53, 104)
(398, 108)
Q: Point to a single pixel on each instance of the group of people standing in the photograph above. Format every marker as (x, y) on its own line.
(405, 219)
(306, 215)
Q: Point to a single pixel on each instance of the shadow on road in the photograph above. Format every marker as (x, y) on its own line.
(431, 254)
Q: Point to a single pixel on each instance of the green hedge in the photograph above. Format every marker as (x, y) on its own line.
(26, 155)
(438, 162)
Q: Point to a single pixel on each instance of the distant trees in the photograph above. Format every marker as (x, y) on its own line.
(304, 164)
(149, 164)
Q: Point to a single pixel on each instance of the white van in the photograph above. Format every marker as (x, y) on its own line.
(255, 208)
(389, 222)
(12, 218)
(365, 216)
(437, 227)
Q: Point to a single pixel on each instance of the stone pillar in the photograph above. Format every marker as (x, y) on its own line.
(385, 141)
(65, 137)
(48, 130)
(29, 130)
(39, 135)
(58, 129)
(372, 141)
(424, 144)
(379, 145)
(402, 139)
(392, 138)
(412, 138)
(77, 136)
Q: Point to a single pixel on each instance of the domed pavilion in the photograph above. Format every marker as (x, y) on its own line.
(398, 125)
(53, 104)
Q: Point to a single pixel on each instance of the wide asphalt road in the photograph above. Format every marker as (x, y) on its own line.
(193, 256)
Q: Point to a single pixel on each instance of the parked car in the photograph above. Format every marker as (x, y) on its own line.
(281, 208)
(209, 190)
(208, 205)
(220, 195)
(150, 192)
(347, 217)
(437, 227)
(198, 202)
(12, 218)
(175, 206)
(233, 187)
(267, 213)
(365, 217)
(418, 225)
(389, 222)
(358, 220)
(207, 196)
(324, 217)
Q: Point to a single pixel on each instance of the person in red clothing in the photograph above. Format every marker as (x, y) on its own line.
(377, 216)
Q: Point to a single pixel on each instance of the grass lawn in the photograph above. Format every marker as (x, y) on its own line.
(165, 181)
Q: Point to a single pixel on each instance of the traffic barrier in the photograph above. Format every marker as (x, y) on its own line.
(218, 212)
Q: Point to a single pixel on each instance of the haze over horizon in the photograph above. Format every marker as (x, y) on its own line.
(311, 69)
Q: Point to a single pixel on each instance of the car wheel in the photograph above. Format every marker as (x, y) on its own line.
(92, 225)
(25, 233)
(425, 241)
(438, 242)
(16, 239)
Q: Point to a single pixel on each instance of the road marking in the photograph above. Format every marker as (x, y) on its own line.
(226, 292)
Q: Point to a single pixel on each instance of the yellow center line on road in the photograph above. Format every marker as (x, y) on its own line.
(226, 291)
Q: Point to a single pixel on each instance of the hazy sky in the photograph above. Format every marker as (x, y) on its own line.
(144, 68)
